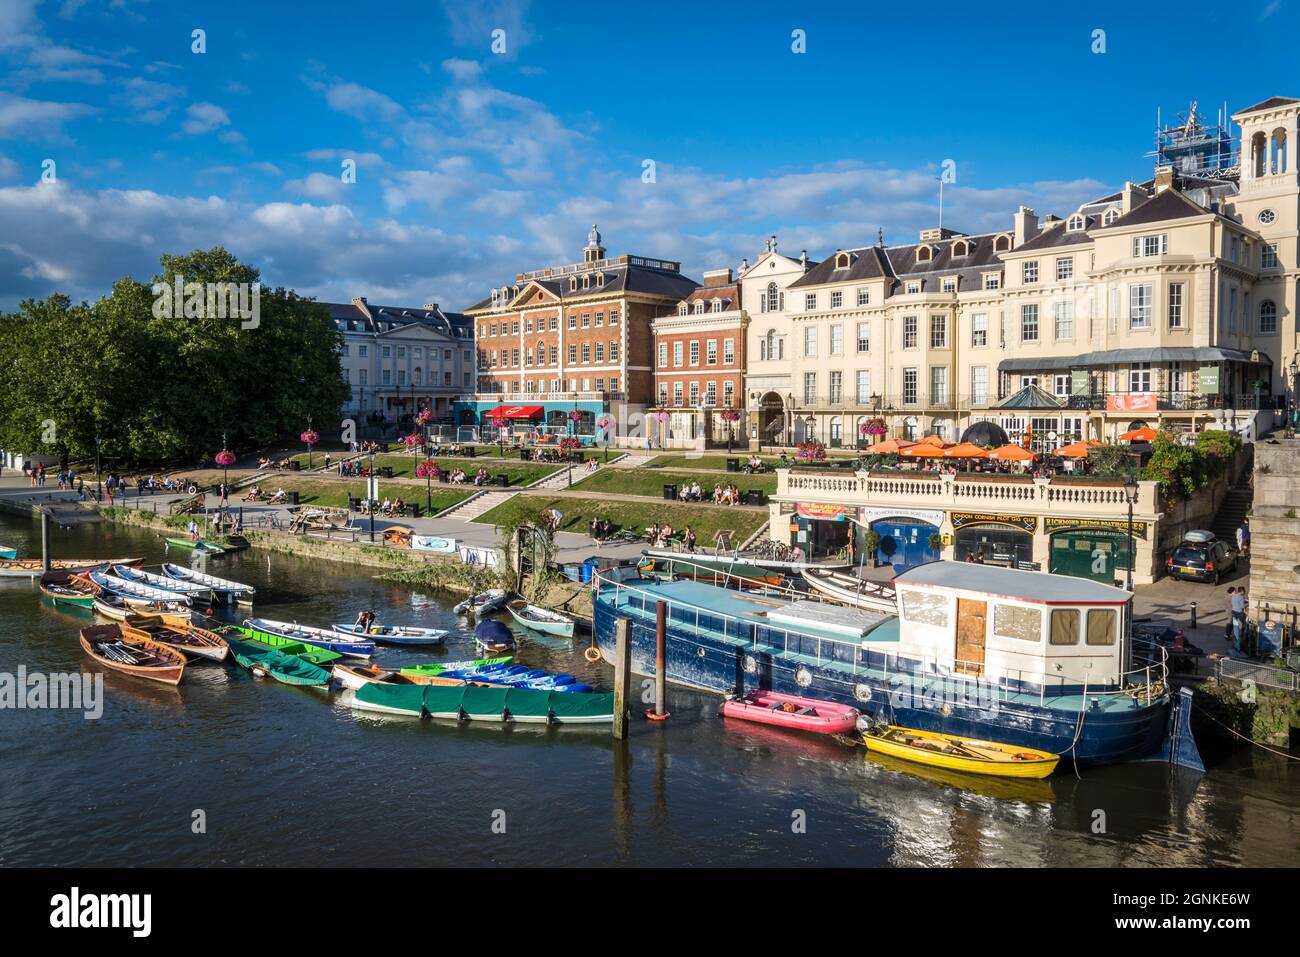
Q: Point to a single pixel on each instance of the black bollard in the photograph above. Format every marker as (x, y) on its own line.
(1193, 616)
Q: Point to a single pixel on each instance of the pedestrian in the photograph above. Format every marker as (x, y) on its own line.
(1243, 538)
(192, 528)
(1237, 613)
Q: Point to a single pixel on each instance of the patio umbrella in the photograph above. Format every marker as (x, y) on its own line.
(1144, 434)
(922, 450)
(967, 450)
(890, 445)
(1012, 453)
(1077, 450)
(934, 438)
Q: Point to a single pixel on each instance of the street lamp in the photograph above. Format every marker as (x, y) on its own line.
(99, 485)
(225, 458)
(370, 503)
(310, 437)
(1130, 496)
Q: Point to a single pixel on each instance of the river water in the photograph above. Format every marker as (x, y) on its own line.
(289, 776)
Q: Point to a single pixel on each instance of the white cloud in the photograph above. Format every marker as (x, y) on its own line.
(472, 24)
(362, 103)
(8, 168)
(204, 118)
(41, 118)
(319, 186)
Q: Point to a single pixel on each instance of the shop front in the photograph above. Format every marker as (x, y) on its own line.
(821, 531)
(994, 538)
(907, 536)
(1091, 548)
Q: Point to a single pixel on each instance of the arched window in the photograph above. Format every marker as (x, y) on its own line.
(769, 344)
(1277, 150)
(1002, 243)
(773, 298)
(924, 254)
(1074, 223)
(699, 307)
(1111, 215)
(961, 248)
(681, 309)
(843, 260)
(1259, 154)
(1268, 318)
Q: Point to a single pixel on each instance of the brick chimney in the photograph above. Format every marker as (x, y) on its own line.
(1164, 178)
(718, 277)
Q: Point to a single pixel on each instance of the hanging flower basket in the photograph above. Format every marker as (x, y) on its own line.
(575, 416)
(729, 415)
(604, 422)
(872, 427)
(427, 470)
(423, 417)
(662, 415)
(811, 452)
(225, 457)
(569, 444)
(310, 437)
(413, 441)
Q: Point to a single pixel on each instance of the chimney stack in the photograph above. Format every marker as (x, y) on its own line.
(1129, 196)
(1026, 225)
(1164, 178)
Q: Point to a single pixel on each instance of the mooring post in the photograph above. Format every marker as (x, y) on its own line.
(1193, 628)
(622, 676)
(45, 540)
(660, 712)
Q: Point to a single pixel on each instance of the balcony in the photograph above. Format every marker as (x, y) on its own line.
(1097, 499)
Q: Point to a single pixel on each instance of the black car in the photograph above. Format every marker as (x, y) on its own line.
(1202, 561)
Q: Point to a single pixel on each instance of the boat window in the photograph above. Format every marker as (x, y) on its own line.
(1101, 626)
(1065, 626)
(926, 608)
(1017, 621)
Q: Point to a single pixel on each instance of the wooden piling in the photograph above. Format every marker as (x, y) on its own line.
(660, 712)
(45, 540)
(622, 676)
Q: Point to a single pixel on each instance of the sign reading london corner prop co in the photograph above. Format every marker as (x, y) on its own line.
(1051, 525)
(1028, 523)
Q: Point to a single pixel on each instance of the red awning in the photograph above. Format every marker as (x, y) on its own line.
(514, 412)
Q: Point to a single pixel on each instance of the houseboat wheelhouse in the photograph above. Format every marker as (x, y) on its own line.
(1026, 658)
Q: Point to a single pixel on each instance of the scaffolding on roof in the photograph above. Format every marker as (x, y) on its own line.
(1193, 148)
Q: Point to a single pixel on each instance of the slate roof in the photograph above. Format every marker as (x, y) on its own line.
(355, 318)
(1271, 103)
(620, 278)
(899, 263)
(1169, 204)
(1057, 236)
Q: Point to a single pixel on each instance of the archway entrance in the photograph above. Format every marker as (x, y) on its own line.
(905, 541)
(771, 418)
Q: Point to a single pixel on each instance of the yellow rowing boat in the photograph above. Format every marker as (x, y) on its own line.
(961, 754)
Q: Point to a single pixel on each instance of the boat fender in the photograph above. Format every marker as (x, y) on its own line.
(802, 677)
(592, 654)
(750, 664)
(862, 692)
(700, 651)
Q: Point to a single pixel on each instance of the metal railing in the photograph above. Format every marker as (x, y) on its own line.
(1242, 671)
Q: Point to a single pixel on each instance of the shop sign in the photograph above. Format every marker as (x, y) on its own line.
(1025, 523)
(1131, 402)
(1209, 380)
(826, 513)
(1052, 525)
(868, 514)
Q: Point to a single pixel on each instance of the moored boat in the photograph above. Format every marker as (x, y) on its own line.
(321, 637)
(792, 711)
(161, 582)
(472, 703)
(66, 588)
(729, 562)
(541, 619)
(8, 553)
(132, 655)
(33, 567)
(118, 607)
(483, 603)
(287, 669)
(220, 587)
(128, 589)
(718, 571)
(493, 638)
(353, 677)
(435, 669)
(210, 548)
(396, 634)
(265, 641)
(956, 753)
(851, 590)
(177, 632)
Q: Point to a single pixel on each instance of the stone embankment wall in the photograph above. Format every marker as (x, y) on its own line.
(1275, 531)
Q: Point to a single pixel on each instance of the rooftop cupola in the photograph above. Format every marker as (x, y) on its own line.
(594, 251)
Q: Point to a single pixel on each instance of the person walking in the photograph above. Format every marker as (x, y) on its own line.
(1237, 611)
(1243, 538)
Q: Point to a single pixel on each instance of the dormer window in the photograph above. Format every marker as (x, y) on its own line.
(924, 254)
(681, 309)
(573, 283)
(717, 305)
(960, 248)
(699, 307)
(913, 287)
(1002, 244)
(843, 260)
(1110, 216)
(1074, 223)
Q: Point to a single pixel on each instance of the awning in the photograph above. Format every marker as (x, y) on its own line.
(514, 412)
(1116, 357)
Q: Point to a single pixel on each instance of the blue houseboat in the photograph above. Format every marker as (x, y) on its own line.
(1025, 658)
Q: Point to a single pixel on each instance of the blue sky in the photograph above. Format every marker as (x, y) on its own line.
(473, 164)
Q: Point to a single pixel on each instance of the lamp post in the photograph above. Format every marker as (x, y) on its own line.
(1130, 496)
(370, 503)
(99, 485)
(310, 438)
(225, 458)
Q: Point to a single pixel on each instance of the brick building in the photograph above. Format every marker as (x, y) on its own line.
(700, 365)
(575, 337)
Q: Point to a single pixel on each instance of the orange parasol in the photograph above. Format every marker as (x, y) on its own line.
(1077, 450)
(922, 450)
(934, 438)
(1144, 434)
(967, 450)
(891, 445)
(1013, 453)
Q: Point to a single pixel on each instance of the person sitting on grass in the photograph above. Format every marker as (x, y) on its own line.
(594, 530)
(279, 496)
(652, 535)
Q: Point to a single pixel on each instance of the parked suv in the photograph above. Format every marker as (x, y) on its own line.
(1201, 557)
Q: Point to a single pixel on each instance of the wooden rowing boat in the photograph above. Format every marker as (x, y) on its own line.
(232, 590)
(541, 619)
(396, 634)
(483, 603)
(66, 588)
(268, 642)
(321, 637)
(135, 655)
(127, 589)
(956, 753)
(851, 590)
(8, 553)
(210, 547)
(789, 711)
(287, 669)
(142, 577)
(177, 632)
(33, 567)
(353, 677)
(118, 607)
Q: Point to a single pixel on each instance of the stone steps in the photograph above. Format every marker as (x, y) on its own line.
(1236, 503)
(477, 504)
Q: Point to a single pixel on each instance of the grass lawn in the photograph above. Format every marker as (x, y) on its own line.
(521, 473)
(637, 516)
(712, 462)
(333, 493)
(645, 482)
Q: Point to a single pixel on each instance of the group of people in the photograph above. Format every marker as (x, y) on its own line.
(387, 507)
(600, 529)
(256, 494)
(753, 464)
(481, 477)
(267, 463)
(722, 494)
(663, 536)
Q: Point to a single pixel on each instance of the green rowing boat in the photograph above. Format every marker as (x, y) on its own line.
(472, 703)
(287, 669)
(433, 670)
(202, 546)
(286, 646)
